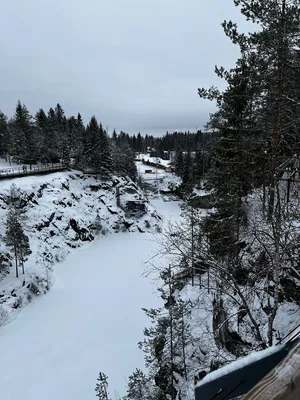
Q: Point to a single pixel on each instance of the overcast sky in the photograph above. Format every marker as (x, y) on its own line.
(135, 64)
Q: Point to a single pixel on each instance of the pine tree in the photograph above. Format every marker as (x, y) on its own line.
(179, 163)
(252, 120)
(92, 153)
(62, 134)
(66, 143)
(15, 238)
(11, 238)
(52, 140)
(156, 349)
(133, 143)
(167, 339)
(4, 134)
(138, 386)
(98, 225)
(114, 137)
(187, 173)
(102, 387)
(139, 143)
(18, 126)
(123, 161)
(105, 166)
(23, 249)
(198, 168)
(23, 123)
(238, 146)
(79, 142)
(60, 117)
(43, 145)
(272, 50)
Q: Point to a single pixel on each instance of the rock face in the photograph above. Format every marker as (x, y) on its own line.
(64, 210)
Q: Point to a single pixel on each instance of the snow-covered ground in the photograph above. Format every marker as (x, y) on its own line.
(156, 160)
(90, 321)
(159, 177)
(5, 165)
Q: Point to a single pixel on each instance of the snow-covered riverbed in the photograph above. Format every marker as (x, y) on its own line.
(91, 321)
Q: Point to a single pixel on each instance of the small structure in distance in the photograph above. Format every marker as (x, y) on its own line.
(130, 200)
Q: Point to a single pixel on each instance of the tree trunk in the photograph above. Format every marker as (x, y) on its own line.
(193, 262)
(171, 336)
(183, 343)
(249, 313)
(22, 262)
(16, 260)
(277, 111)
(276, 269)
(274, 161)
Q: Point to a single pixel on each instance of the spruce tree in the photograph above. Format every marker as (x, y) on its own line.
(198, 167)
(23, 249)
(102, 387)
(139, 143)
(18, 126)
(41, 125)
(138, 386)
(23, 124)
(98, 224)
(64, 139)
(15, 238)
(179, 163)
(67, 143)
(4, 135)
(52, 138)
(187, 173)
(272, 53)
(114, 136)
(79, 142)
(123, 161)
(92, 153)
(60, 117)
(105, 166)
(237, 149)
(167, 339)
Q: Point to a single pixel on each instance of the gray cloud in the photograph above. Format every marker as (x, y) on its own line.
(135, 64)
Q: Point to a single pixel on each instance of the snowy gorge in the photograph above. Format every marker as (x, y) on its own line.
(61, 213)
(92, 312)
(95, 287)
(55, 342)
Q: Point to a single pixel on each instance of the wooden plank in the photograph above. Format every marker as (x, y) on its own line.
(282, 383)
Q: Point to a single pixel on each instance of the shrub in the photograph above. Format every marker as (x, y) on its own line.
(18, 303)
(34, 288)
(117, 227)
(147, 224)
(3, 316)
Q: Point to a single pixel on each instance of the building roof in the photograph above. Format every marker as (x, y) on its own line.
(239, 377)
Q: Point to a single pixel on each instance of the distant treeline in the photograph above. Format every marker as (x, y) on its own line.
(184, 141)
